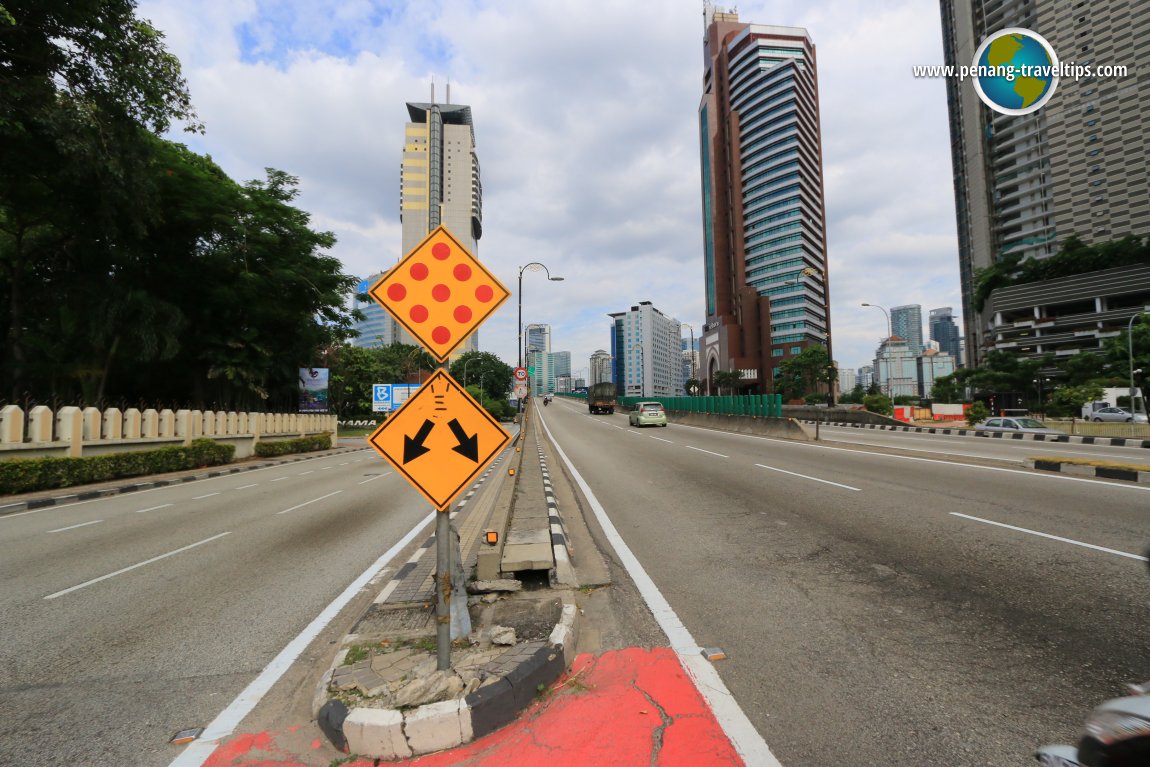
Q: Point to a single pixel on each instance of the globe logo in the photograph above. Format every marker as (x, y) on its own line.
(1015, 71)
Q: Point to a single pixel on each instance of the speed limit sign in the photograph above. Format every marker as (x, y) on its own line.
(520, 374)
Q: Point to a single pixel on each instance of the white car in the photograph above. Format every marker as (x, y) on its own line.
(1117, 414)
(1017, 426)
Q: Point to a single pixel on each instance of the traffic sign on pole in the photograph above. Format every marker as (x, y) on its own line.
(440, 293)
(440, 439)
(520, 374)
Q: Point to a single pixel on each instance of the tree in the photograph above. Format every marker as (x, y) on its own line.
(80, 83)
(483, 368)
(854, 396)
(1068, 400)
(946, 389)
(878, 403)
(726, 379)
(977, 413)
(801, 374)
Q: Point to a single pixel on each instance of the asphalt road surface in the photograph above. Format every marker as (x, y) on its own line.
(128, 618)
(881, 608)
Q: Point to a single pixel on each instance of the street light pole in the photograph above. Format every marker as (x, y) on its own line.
(888, 337)
(1130, 351)
(533, 266)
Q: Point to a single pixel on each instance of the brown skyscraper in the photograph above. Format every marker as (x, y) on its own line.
(763, 210)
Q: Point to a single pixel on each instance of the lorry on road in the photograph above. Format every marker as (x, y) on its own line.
(601, 398)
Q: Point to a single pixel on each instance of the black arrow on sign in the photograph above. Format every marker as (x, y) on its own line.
(413, 447)
(468, 447)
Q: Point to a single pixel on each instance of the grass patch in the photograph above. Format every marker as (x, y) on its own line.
(1092, 462)
(355, 654)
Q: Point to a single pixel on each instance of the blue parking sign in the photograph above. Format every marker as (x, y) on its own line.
(380, 398)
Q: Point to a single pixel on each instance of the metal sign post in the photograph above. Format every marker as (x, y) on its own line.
(440, 438)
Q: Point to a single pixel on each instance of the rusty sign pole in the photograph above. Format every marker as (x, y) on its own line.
(443, 584)
(441, 438)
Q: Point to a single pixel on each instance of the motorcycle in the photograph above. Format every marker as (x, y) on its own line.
(1117, 734)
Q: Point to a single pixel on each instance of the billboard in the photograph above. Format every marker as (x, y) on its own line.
(313, 390)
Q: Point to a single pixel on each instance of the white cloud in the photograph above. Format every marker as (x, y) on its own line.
(586, 126)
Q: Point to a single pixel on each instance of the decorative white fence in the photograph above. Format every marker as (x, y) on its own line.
(75, 432)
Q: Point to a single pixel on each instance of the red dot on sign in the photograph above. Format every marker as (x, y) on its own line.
(462, 272)
(419, 271)
(441, 250)
(462, 314)
(441, 292)
(441, 335)
(396, 292)
(484, 293)
(418, 313)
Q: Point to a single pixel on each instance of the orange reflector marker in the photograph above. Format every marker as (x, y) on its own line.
(714, 653)
(492, 537)
(186, 736)
(511, 472)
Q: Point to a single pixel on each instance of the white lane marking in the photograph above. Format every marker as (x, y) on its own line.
(209, 495)
(807, 476)
(306, 472)
(952, 464)
(1028, 445)
(701, 450)
(747, 741)
(663, 440)
(226, 722)
(1051, 537)
(245, 487)
(153, 508)
(73, 527)
(278, 479)
(377, 476)
(133, 567)
(325, 468)
(345, 463)
(307, 503)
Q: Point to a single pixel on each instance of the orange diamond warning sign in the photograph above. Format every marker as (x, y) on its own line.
(440, 439)
(440, 293)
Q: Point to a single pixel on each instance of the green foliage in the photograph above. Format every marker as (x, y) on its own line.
(854, 396)
(977, 413)
(878, 403)
(801, 374)
(298, 445)
(946, 389)
(483, 369)
(26, 475)
(726, 381)
(1073, 257)
(1067, 401)
(130, 266)
(354, 370)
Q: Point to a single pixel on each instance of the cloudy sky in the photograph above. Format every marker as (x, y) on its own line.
(586, 128)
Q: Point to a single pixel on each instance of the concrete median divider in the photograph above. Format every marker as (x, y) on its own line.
(783, 428)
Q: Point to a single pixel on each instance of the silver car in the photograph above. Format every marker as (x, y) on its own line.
(1017, 426)
(1117, 414)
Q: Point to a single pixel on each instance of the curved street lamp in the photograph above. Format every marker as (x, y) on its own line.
(533, 266)
(888, 336)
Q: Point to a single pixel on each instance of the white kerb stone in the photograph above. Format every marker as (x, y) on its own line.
(434, 727)
(376, 732)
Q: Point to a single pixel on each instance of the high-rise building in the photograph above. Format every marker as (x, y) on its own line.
(906, 322)
(601, 367)
(537, 338)
(944, 331)
(439, 181)
(931, 366)
(549, 368)
(377, 328)
(764, 231)
(645, 345)
(1076, 167)
(895, 368)
(847, 379)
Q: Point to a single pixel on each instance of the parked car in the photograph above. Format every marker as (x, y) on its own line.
(1117, 414)
(648, 414)
(1017, 425)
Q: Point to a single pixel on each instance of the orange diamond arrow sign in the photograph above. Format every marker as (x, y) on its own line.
(440, 293)
(440, 439)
